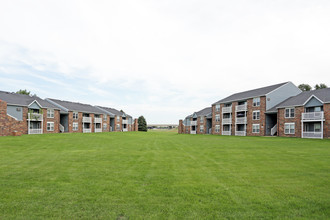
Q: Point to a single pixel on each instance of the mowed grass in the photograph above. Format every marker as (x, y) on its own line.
(163, 175)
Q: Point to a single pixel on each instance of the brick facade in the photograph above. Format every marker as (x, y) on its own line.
(326, 128)
(262, 119)
(55, 120)
(281, 120)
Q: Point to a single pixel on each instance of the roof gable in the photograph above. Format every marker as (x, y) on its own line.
(313, 101)
(34, 105)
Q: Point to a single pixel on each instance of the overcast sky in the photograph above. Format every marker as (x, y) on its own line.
(160, 59)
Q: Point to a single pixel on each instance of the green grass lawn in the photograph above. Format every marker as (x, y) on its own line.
(163, 175)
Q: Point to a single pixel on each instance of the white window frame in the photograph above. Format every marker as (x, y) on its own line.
(105, 126)
(217, 117)
(201, 128)
(256, 102)
(50, 126)
(289, 129)
(217, 107)
(217, 128)
(50, 113)
(117, 127)
(201, 119)
(105, 117)
(75, 126)
(118, 118)
(256, 128)
(75, 115)
(291, 110)
(256, 115)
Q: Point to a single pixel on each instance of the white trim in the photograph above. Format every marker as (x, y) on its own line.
(290, 123)
(73, 127)
(51, 114)
(280, 87)
(50, 122)
(258, 128)
(257, 102)
(254, 112)
(294, 112)
(13, 117)
(34, 102)
(311, 98)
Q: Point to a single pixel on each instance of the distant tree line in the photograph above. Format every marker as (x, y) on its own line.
(306, 87)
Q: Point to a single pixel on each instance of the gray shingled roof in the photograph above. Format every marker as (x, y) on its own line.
(250, 93)
(114, 111)
(204, 112)
(24, 100)
(300, 99)
(76, 106)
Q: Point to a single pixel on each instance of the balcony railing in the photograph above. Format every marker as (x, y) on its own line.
(125, 129)
(227, 109)
(98, 130)
(125, 121)
(192, 132)
(311, 134)
(97, 120)
(87, 120)
(242, 120)
(87, 130)
(35, 131)
(35, 117)
(240, 133)
(226, 121)
(241, 108)
(193, 123)
(226, 132)
(312, 116)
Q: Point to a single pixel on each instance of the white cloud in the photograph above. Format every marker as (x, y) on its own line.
(177, 54)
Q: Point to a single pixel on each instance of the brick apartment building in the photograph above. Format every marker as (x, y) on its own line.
(24, 114)
(281, 109)
(197, 123)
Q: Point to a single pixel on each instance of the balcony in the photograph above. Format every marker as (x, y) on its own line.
(192, 132)
(87, 130)
(35, 117)
(87, 120)
(240, 133)
(125, 121)
(193, 123)
(240, 108)
(97, 120)
(226, 132)
(98, 130)
(312, 134)
(35, 131)
(227, 109)
(242, 120)
(226, 121)
(312, 116)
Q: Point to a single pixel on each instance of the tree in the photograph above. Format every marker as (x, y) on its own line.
(304, 87)
(142, 124)
(24, 92)
(320, 86)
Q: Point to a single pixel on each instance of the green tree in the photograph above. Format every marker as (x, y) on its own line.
(320, 86)
(304, 87)
(142, 124)
(24, 92)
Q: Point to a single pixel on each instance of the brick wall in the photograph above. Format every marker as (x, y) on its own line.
(281, 120)
(214, 113)
(56, 121)
(199, 124)
(8, 124)
(261, 121)
(326, 128)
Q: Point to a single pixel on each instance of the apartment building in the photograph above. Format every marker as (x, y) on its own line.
(305, 115)
(24, 114)
(197, 123)
(120, 121)
(247, 113)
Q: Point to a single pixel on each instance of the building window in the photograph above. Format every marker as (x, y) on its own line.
(255, 128)
(289, 113)
(289, 128)
(118, 118)
(75, 115)
(201, 128)
(256, 101)
(217, 107)
(201, 120)
(105, 117)
(105, 126)
(217, 117)
(75, 126)
(118, 127)
(256, 115)
(50, 113)
(217, 129)
(50, 126)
